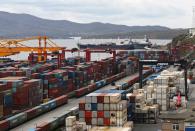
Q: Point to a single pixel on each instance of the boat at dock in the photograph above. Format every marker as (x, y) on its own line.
(122, 45)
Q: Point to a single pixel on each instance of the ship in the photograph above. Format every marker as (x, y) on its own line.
(123, 45)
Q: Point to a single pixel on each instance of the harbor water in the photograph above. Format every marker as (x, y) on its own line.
(71, 43)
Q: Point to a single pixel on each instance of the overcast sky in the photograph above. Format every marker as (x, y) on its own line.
(170, 13)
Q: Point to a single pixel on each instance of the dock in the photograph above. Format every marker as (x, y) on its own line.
(63, 109)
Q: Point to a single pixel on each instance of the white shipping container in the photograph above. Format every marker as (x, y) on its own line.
(100, 107)
(106, 98)
(81, 119)
(88, 98)
(162, 89)
(162, 96)
(154, 95)
(113, 107)
(94, 114)
(145, 109)
(71, 128)
(148, 95)
(81, 114)
(88, 107)
(161, 80)
(94, 98)
(94, 121)
(164, 108)
(140, 91)
(70, 121)
(115, 98)
(129, 124)
(81, 126)
(122, 105)
(121, 114)
(164, 102)
(139, 97)
(139, 105)
(106, 107)
(113, 121)
(121, 121)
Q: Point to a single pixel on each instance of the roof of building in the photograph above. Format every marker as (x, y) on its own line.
(176, 115)
(191, 119)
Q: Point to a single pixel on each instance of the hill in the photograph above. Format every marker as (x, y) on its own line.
(25, 25)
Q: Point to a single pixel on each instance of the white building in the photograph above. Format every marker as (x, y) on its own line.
(192, 31)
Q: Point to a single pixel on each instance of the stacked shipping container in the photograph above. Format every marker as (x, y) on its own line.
(104, 108)
(6, 101)
(148, 54)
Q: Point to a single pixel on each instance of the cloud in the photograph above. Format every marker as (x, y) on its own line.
(171, 13)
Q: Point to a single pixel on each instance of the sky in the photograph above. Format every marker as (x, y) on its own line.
(170, 13)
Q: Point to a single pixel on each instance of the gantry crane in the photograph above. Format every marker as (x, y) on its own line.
(14, 46)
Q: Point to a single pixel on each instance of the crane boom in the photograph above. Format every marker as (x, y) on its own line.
(15, 46)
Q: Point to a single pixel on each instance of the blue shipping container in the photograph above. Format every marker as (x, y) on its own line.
(190, 128)
(94, 106)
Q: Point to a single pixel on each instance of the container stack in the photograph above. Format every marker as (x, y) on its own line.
(141, 111)
(103, 108)
(163, 97)
(13, 83)
(54, 83)
(34, 91)
(41, 68)
(148, 54)
(74, 60)
(6, 101)
(73, 125)
(127, 66)
(25, 93)
(166, 86)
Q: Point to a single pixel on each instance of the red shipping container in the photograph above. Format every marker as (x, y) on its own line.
(3, 74)
(35, 75)
(3, 87)
(109, 80)
(88, 114)
(61, 100)
(100, 99)
(8, 73)
(44, 126)
(81, 92)
(130, 82)
(88, 121)
(53, 80)
(100, 114)
(81, 105)
(4, 125)
(106, 121)
(20, 73)
(7, 111)
(33, 82)
(55, 92)
(69, 89)
(90, 88)
(31, 113)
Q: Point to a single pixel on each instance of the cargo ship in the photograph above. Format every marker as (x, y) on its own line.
(123, 45)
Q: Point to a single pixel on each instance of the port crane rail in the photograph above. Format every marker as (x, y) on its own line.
(15, 46)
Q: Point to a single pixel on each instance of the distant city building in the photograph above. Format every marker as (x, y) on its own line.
(192, 31)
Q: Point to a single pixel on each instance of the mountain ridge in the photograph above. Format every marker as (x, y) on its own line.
(24, 25)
